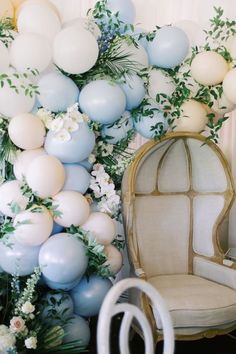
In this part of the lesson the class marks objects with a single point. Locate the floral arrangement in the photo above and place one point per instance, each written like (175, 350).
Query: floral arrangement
(65, 144)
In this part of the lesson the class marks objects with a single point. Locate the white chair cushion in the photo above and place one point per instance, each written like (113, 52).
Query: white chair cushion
(195, 302)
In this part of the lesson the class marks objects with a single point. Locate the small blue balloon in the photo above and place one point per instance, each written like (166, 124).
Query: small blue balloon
(134, 90)
(169, 47)
(89, 294)
(63, 258)
(151, 126)
(61, 286)
(124, 8)
(102, 101)
(86, 164)
(57, 92)
(77, 178)
(77, 329)
(114, 133)
(56, 307)
(78, 148)
(56, 228)
(16, 258)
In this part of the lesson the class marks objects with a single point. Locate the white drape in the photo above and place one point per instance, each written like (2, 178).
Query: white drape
(150, 13)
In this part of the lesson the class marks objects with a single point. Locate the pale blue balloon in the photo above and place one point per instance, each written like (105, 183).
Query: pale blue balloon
(17, 258)
(144, 125)
(57, 307)
(169, 47)
(134, 90)
(36, 107)
(89, 294)
(86, 164)
(77, 329)
(102, 101)
(61, 286)
(136, 34)
(56, 228)
(77, 178)
(114, 133)
(57, 92)
(63, 258)
(125, 8)
(78, 148)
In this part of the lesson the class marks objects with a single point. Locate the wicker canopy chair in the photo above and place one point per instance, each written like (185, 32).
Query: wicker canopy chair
(176, 194)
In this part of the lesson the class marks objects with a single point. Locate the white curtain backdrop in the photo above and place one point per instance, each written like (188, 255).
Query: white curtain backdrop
(150, 13)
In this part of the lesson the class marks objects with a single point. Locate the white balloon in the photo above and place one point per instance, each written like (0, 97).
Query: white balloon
(45, 176)
(37, 17)
(232, 47)
(209, 68)
(193, 117)
(22, 103)
(75, 50)
(84, 23)
(101, 226)
(4, 58)
(23, 160)
(138, 54)
(10, 196)
(194, 31)
(33, 226)
(229, 86)
(73, 206)
(223, 105)
(190, 83)
(27, 131)
(114, 258)
(160, 83)
(30, 50)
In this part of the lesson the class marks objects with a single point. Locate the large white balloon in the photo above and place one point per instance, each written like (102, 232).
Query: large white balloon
(33, 226)
(209, 68)
(30, 50)
(11, 198)
(75, 50)
(193, 117)
(5, 59)
(229, 86)
(84, 23)
(101, 227)
(160, 83)
(23, 160)
(73, 206)
(27, 131)
(194, 31)
(38, 17)
(137, 54)
(45, 176)
(223, 105)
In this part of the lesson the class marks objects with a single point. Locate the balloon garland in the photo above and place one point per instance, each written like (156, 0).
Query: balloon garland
(72, 97)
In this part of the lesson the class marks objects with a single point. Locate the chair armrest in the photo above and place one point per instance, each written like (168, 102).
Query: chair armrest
(216, 272)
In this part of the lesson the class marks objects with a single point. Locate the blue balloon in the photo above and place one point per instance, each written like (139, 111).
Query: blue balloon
(61, 286)
(57, 92)
(56, 307)
(16, 258)
(114, 133)
(77, 178)
(124, 8)
(89, 294)
(102, 101)
(63, 258)
(77, 329)
(169, 47)
(78, 148)
(134, 90)
(56, 228)
(86, 164)
(151, 126)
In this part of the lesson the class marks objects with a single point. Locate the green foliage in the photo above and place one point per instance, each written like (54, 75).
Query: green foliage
(6, 27)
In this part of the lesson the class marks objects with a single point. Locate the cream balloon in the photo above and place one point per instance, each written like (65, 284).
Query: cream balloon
(5, 59)
(17, 3)
(75, 50)
(229, 86)
(6, 9)
(138, 54)
(193, 117)
(39, 18)
(101, 227)
(222, 105)
(209, 68)
(11, 198)
(84, 23)
(45, 176)
(114, 258)
(73, 206)
(23, 161)
(160, 83)
(33, 226)
(27, 131)
(30, 50)
(21, 3)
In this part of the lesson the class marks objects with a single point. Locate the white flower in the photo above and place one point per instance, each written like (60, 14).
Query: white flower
(57, 124)
(7, 341)
(31, 343)
(62, 135)
(91, 158)
(27, 308)
(3, 330)
(46, 117)
(17, 324)
(70, 125)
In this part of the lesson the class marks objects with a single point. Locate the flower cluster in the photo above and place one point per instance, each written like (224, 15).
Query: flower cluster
(103, 191)
(62, 124)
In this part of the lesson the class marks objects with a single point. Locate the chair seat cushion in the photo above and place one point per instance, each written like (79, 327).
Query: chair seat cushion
(195, 302)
